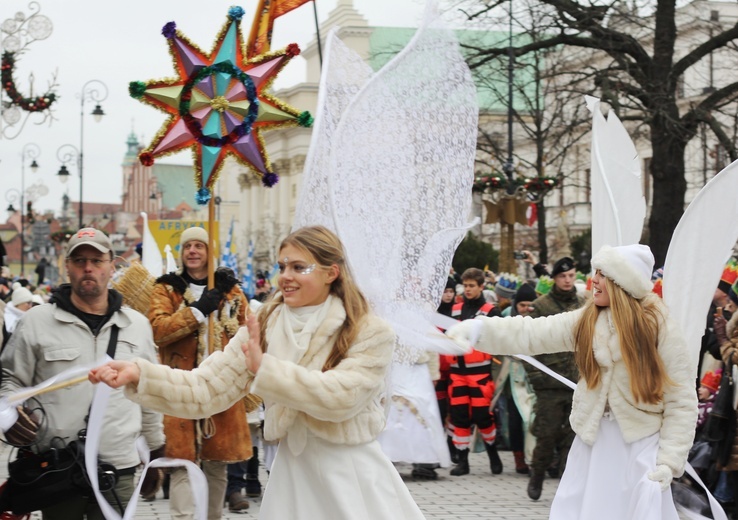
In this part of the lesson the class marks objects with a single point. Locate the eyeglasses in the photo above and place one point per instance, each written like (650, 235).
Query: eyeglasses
(81, 261)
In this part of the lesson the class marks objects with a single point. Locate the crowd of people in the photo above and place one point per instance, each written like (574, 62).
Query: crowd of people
(210, 375)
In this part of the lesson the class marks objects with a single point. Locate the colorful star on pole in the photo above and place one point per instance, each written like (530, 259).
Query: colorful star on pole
(219, 104)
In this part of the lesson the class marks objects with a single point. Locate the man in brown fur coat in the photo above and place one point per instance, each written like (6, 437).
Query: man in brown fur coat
(180, 306)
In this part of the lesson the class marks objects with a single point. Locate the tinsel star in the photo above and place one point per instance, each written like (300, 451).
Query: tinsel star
(218, 104)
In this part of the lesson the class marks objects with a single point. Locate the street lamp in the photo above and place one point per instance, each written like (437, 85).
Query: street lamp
(69, 154)
(30, 151)
(506, 196)
(97, 91)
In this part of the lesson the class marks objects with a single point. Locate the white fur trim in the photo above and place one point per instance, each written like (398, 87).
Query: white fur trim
(629, 267)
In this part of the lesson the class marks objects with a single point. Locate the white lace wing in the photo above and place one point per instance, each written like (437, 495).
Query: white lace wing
(618, 204)
(701, 245)
(344, 73)
(395, 173)
(403, 166)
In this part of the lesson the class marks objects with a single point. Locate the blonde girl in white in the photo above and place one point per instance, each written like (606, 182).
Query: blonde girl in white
(318, 358)
(635, 405)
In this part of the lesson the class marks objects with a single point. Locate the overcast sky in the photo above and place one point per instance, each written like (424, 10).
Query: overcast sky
(119, 42)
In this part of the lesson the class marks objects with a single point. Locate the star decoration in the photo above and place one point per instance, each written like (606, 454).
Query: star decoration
(219, 104)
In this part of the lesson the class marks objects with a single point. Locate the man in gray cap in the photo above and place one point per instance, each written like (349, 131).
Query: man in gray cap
(84, 321)
(181, 304)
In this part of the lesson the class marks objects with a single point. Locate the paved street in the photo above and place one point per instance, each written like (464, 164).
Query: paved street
(477, 495)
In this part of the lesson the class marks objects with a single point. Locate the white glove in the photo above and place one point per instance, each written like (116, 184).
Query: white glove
(465, 333)
(662, 475)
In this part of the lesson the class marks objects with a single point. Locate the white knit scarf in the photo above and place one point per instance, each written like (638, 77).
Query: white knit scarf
(288, 339)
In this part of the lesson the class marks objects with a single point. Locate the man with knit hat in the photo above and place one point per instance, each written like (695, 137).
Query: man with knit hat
(83, 321)
(505, 288)
(553, 399)
(180, 306)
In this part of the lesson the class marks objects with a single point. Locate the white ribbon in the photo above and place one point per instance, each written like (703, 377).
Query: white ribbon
(543, 368)
(717, 512)
(19, 395)
(8, 412)
(8, 415)
(198, 482)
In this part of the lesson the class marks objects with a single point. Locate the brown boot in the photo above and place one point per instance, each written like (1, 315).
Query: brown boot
(520, 465)
(237, 503)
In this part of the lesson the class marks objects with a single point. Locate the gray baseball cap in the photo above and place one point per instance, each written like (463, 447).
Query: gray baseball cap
(90, 237)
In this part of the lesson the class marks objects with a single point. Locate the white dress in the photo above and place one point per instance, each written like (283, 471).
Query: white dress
(609, 480)
(414, 433)
(330, 481)
(315, 479)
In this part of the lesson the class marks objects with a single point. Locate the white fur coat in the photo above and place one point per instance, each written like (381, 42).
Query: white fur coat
(341, 405)
(674, 417)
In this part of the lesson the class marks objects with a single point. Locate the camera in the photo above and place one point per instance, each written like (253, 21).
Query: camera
(519, 255)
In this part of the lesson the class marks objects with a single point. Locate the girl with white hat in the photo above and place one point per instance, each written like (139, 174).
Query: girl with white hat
(634, 407)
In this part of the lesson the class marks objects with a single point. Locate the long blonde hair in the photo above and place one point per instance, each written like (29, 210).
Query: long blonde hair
(326, 249)
(637, 326)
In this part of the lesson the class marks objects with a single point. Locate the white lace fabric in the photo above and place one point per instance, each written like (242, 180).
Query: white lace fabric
(390, 170)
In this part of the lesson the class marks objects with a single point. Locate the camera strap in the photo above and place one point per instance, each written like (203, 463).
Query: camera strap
(113, 343)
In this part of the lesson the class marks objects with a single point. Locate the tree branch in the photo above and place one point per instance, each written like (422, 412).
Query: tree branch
(714, 43)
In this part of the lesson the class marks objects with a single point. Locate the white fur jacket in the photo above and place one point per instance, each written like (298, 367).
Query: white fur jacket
(341, 405)
(674, 417)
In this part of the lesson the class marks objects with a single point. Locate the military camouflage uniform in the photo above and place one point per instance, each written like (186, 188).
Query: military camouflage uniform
(553, 399)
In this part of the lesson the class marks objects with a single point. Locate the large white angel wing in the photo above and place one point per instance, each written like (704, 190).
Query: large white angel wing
(344, 73)
(618, 205)
(390, 170)
(701, 245)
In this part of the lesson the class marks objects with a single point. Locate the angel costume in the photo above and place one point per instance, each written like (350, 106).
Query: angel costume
(390, 171)
(620, 442)
(328, 464)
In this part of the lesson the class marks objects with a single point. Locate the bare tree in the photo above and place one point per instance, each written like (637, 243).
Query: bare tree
(646, 69)
(544, 111)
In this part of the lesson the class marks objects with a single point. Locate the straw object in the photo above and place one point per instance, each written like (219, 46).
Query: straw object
(136, 286)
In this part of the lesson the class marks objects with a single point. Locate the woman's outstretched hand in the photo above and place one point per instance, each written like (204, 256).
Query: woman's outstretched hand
(116, 374)
(252, 348)
(465, 333)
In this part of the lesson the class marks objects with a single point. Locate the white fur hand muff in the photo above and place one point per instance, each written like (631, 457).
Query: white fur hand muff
(466, 333)
(662, 475)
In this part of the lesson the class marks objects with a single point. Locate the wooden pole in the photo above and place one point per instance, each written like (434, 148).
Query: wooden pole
(211, 268)
(19, 398)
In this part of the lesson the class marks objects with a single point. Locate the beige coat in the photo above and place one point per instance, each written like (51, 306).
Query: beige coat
(50, 340)
(341, 405)
(674, 417)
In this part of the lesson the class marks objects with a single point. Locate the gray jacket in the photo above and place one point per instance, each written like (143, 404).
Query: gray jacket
(50, 340)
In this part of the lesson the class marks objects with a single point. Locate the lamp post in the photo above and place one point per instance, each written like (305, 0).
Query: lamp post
(97, 91)
(68, 154)
(30, 152)
(507, 197)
